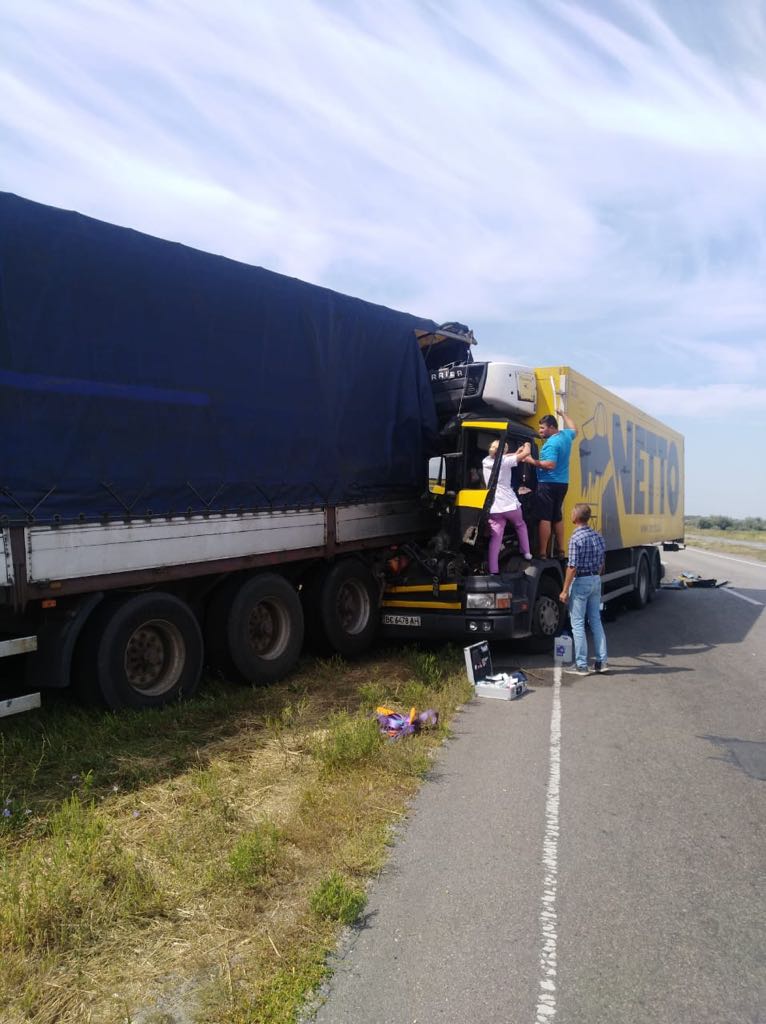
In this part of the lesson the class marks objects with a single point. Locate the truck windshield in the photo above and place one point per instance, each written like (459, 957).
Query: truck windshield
(476, 448)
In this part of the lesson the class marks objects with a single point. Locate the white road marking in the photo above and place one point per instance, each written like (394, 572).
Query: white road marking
(727, 558)
(734, 593)
(546, 1000)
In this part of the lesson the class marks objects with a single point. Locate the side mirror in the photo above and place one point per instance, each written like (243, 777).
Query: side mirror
(437, 474)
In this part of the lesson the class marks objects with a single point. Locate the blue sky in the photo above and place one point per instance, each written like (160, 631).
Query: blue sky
(583, 183)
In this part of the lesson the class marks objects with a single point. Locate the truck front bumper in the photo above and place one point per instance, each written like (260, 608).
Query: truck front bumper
(459, 627)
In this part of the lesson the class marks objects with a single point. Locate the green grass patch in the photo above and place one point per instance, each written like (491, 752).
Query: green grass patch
(203, 857)
(349, 741)
(429, 667)
(337, 899)
(63, 891)
(255, 855)
(277, 994)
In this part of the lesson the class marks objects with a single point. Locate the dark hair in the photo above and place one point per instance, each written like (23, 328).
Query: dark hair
(549, 421)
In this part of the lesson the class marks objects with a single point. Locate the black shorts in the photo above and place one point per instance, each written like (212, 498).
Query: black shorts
(548, 502)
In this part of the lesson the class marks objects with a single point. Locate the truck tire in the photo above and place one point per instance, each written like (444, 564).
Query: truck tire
(643, 587)
(341, 608)
(254, 629)
(655, 574)
(547, 619)
(139, 651)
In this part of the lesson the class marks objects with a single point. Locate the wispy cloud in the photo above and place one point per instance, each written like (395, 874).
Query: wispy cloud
(580, 179)
(717, 402)
(517, 157)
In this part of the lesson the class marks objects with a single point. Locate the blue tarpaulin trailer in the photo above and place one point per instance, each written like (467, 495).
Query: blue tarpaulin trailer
(202, 461)
(141, 377)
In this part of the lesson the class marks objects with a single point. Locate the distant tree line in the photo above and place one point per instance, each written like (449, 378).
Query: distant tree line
(725, 523)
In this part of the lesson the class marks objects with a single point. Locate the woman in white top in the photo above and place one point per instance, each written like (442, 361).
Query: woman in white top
(506, 507)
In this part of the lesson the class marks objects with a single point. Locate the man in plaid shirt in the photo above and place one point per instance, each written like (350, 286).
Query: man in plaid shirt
(582, 590)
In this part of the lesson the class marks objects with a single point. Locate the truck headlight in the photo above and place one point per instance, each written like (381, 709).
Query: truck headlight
(487, 601)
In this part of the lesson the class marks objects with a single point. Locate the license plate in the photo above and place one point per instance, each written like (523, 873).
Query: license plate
(401, 620)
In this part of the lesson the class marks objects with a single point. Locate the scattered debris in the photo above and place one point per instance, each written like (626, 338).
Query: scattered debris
(395, 725)
(691, 579)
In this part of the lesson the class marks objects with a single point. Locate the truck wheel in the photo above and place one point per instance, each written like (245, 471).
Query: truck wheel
(547, 616)
(254, 629)
(341, 605)
(655, 577)
(139, 651)
(640, 596)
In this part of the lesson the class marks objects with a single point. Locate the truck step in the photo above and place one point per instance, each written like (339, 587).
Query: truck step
(15, 705)
(21, 645)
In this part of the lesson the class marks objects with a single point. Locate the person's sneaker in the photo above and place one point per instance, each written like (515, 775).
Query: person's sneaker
(575, 670)
(601, 666)
(528, 558)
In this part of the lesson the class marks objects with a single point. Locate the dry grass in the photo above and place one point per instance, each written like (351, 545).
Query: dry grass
(747, 543)
(195, 865)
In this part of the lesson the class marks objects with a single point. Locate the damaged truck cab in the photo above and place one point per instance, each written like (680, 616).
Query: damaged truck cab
(626, 465)
(444, 590)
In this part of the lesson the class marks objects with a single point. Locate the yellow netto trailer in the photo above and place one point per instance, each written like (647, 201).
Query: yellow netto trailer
(625, 464)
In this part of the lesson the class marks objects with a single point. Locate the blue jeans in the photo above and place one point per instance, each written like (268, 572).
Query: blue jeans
(585, 605)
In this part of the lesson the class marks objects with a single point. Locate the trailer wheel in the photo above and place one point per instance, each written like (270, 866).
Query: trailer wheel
(254, 629)
(655, 574)
(643, 588)
(547, 616)
(139, 651)
(341, 607)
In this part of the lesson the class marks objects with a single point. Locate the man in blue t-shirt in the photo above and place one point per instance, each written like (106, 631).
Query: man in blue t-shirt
(552, 478)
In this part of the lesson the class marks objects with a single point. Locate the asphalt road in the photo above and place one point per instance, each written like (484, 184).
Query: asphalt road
(593, 852)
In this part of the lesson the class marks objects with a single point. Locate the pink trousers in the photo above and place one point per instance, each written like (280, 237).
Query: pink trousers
(497, 521)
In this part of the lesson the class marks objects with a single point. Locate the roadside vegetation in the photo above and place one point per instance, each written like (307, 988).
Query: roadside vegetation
(732, 536)
(197, 864)
(751, 525)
